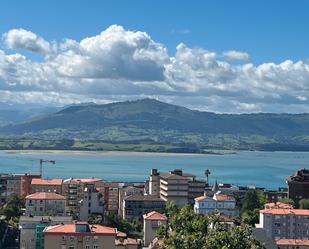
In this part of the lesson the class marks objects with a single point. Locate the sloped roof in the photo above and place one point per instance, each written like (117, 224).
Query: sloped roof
(45, 196)
(285, 211)
(70, 229)
(292, 242)
(39, 181)
(154, 215)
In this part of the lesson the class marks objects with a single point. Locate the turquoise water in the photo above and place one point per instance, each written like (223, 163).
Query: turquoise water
(263, 169)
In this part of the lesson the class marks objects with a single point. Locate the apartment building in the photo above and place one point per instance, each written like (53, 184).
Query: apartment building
(219, 202)
(92, 202)
(73, 190)
(79, 235)
(31, 229)
(135, 206)
(127, 191)
(39, 204)
(175, 186)
(298, 185)
(18, 184)
(152, 221)
(285, 223)
(46, 185)
(111, 197)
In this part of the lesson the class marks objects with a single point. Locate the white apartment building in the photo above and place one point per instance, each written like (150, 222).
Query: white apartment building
(224, 204)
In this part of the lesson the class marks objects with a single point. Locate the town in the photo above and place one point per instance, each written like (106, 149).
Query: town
(39, 213)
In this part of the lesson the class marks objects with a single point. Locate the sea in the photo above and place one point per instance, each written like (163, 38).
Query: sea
(242, 168)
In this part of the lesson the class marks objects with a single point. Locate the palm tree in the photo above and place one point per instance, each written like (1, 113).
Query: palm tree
(207, 173)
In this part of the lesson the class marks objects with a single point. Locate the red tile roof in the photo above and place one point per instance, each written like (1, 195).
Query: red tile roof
(44, 196)
(154, 216)
(39, 181)
(278, 205)
(292, 242)
(83, 180)
(201, 198)
(285, 211)
(70, 229)
(222, 197)
(124, 242)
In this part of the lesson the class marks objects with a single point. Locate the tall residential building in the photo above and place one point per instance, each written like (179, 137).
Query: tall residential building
(175, 186)
(221, 203)
(127, 191)
(298, 185)
(135, 206)
(152, 221)
(46, 185)
(111, 197)
(39, 204)
(285, 223)
(92, 202)
(18, 184)
(31, 229)
(79, 235)
(73, 190)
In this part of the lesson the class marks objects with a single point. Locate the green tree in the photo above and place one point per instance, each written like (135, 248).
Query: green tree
(287, 201)
(304, 204)
(254, 199)
(187, 230)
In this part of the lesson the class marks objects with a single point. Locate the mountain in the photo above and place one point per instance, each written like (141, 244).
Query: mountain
(152, 121)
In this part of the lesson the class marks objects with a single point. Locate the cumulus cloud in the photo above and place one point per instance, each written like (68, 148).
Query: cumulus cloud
(24, 39)
(236, 55)
(120, 64)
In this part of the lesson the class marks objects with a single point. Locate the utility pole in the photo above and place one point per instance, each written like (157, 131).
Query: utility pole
(41, 165)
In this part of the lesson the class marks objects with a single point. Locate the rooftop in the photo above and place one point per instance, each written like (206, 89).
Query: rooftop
(154, 216)
(143, 198)
(83, 180)
(80, 228)
(278, 205)
(301, 175)
(45, 196)
(285, 211)
(39, 181)
(292, 242)
(124, 242)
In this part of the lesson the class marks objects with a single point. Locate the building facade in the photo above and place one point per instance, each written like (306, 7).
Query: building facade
(79, 235)
(135, 206)
(46, 185)
(92, 202)
(285, 223)
(152, 221)
(221, 203)
(31, 229)
(128, 191)
(176, 186)
(298, 185)
(39, 204)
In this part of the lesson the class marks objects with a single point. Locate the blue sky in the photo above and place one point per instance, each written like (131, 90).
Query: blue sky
(274, 33)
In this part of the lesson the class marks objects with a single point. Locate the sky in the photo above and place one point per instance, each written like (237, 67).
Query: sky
(221, 56)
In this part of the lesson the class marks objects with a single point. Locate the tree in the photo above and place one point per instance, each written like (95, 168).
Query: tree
(188, 230)
(254, 199)
(287, 201)
(304, 204)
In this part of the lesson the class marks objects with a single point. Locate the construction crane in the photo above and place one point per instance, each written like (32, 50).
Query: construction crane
(41, 165)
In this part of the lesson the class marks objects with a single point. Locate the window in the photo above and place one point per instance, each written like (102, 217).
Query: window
(95, 246)
(87, 247)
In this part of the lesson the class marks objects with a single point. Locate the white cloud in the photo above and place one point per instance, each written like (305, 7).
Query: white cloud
(120, 64)
(23, 39)
(236, 55)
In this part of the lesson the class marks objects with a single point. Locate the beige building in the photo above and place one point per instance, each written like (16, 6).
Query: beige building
(111, 197)
(80, 235)
(126, 243)
(92, 202)
(31, 229)
(73, 190)
(175, 186)
(45, 204)
(152, 221)
(46, 185)
(285, 223)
